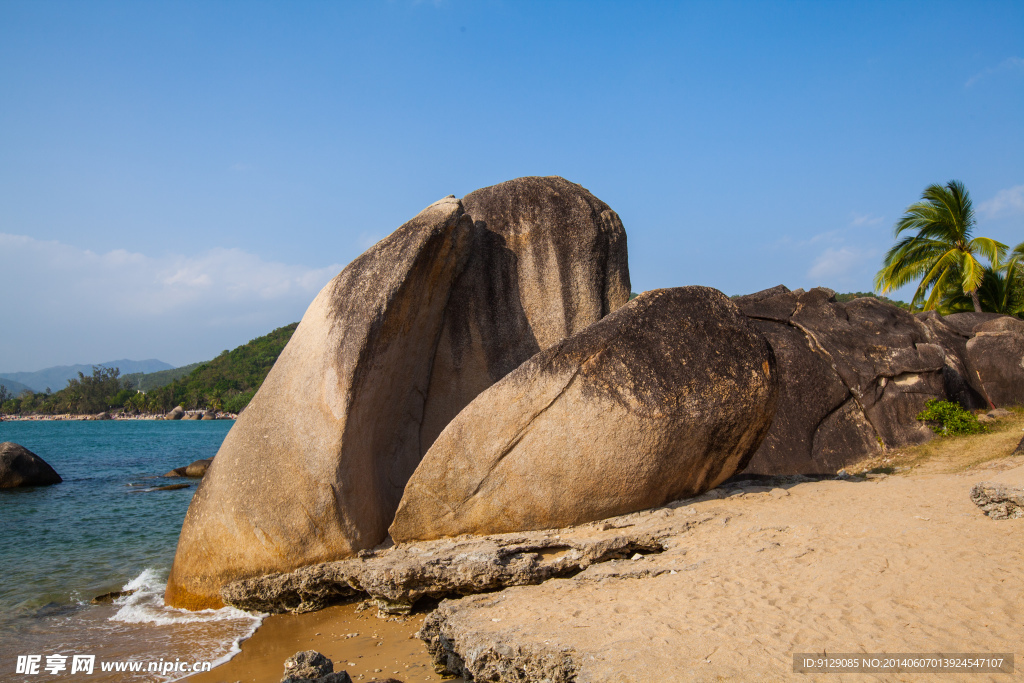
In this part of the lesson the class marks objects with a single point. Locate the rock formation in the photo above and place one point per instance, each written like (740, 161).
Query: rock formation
(854, 376)
(21, 467)
(995, 358)
(951, 332)
(390, 350)
(548, 259)
(999, 501)
(310, 666)
(176, 413)
(315, 465)
(399, 576)
(664, 398)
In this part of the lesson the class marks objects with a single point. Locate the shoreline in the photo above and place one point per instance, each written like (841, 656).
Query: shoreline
(351, 635)
(749, 575)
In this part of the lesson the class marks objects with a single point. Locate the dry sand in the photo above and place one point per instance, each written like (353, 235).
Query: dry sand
(894, 564)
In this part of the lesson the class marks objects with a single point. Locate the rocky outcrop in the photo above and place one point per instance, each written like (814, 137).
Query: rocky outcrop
(389, 351)
(397, 577)
(547, 259)
(198, 468)
(999, 501)
(314, 467)
(310, 666)
(854, 376)
(21, 467)
(477, 655)
(195, 470)
(995, 358)
(664, 398)
(952, 332)
(176, 413)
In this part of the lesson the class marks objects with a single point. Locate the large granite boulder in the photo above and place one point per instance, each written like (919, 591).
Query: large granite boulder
(21, 467)
(315, 466)
(548, 259)
(854, 377)
(664, 398)
(995, 358)
(952, 332)
(387, 354)
(176, 413)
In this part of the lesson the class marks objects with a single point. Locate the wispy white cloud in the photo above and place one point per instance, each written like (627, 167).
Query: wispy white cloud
(863, 220)
(1010, 65)
(136, 283)
(838, 262)
(1008, 202)
(134, 304)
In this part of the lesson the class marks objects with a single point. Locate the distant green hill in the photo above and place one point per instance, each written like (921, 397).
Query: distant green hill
(148, 381)
(229, 381)
(13, 388)
(57, 377)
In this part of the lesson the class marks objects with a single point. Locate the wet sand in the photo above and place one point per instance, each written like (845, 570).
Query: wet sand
(380, 649)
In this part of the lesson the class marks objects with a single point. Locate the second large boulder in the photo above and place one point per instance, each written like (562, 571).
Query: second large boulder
(664, 398)
(995, 357)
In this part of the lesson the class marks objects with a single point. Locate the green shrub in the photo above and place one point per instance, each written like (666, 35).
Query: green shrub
(947, 418)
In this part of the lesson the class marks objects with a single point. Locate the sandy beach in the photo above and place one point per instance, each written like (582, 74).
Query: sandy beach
(884, 563)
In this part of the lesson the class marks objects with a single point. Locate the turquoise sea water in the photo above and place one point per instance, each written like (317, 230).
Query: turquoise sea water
(103, 529)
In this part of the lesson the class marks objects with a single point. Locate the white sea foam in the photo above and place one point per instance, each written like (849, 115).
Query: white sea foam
(146, 606)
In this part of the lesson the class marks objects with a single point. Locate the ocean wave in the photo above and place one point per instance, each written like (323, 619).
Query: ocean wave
(146, 605)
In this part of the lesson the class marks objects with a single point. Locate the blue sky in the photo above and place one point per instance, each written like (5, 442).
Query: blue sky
(177, 178)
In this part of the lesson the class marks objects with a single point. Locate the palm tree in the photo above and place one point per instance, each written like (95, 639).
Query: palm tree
(942, 252)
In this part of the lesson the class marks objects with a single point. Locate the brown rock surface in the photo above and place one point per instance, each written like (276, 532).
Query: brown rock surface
(315, 466)
(21, 467)
(666, 397)
(960, 385)
(392, 349)
(397, 577)
(995, 358)
(854, 375)
(548, 259)
(198, 468)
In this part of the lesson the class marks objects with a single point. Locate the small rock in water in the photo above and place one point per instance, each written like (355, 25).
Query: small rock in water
(108, 598)
(170, 487)
(21, 467)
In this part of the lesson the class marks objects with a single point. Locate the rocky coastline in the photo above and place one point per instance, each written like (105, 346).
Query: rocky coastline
(475, 411)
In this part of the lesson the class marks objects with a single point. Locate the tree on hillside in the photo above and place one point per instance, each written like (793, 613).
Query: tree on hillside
(941, 252)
